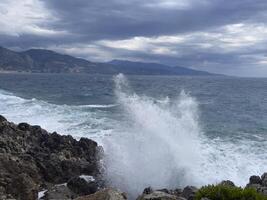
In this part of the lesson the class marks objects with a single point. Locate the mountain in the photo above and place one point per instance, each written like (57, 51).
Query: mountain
(153, 68)
(47, 61)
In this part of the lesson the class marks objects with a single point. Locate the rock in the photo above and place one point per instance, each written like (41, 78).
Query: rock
(189, 192)
(157, 195)
(227, 183)
(176, 192)
(2, 119)
(255, 186)
(204, 198)
(264, 179)
(31, 157)
(81, 186)
(106, 194)
(59, 192)
(254, 180)
(148, 190)
(24, 126)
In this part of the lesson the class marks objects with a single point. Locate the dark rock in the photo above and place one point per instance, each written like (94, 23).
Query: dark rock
(254, 180)
(2, 119)
(148, 190)
(158, 195)
(81, 186)
(264, 179)
(165, 190)
(177, 192)
(31, 157)
(106, 194)
(255, 186)
(61, 192)
(24, 126)
(189, 192)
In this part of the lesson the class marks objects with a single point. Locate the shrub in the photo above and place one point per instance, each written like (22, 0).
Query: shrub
(224, 192)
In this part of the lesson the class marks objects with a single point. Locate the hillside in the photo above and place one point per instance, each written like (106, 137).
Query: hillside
(47, 61)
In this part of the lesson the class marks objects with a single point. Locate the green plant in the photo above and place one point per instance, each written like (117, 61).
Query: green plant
(224, 192)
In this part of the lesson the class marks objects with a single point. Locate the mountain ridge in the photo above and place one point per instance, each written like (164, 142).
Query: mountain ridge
(48, 61)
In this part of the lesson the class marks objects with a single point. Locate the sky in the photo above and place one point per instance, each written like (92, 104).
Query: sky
(221, 36)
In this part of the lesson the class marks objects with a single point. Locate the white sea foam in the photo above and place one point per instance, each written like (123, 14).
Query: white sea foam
(98, 106)
(79, 121)
(156, 142)
(162, 145)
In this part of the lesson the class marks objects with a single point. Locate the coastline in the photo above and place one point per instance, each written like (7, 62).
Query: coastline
(36, 164)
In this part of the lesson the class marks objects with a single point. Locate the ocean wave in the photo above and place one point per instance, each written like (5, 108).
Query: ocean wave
(98, 106)
(162, 145)
(65, 119)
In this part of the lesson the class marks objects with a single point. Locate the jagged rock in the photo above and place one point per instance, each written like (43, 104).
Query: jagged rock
(158, 195)
(106, 194)
(263, 190)
(254, 180)
(176, 192)
(30, 157)
(2, 119)
(189, 192)
(148, 190)
(264, 179)
(82, 186)
(255, 186)
(61, 192)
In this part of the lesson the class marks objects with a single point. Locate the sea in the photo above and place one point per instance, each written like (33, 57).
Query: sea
(159, 131)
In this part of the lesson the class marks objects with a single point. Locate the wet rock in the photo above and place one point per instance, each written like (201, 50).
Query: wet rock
(148, 190)
(82, 186)
(30, 157)
(61, 192)
(157, 195)
(177, 192)
(189, 192)
(106, 194)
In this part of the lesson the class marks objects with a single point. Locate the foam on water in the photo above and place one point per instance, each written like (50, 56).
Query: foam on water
(162, 146)
(155, 142)
(79, 121)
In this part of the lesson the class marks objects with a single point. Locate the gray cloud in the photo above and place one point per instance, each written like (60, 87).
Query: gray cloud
(214, 35)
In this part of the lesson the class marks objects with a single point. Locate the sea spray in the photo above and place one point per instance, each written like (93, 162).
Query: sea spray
(159, 143)
(158, 147)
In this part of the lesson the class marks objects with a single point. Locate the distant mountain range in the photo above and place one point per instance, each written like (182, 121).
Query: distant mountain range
(46, 61)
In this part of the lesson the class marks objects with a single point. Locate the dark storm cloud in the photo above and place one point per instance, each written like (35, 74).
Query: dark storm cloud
(118, 19)
(84, 28)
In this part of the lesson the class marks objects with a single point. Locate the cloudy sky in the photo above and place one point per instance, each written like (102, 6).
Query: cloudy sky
(223, 36)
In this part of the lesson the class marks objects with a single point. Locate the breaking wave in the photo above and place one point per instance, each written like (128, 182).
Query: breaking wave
(161, 144)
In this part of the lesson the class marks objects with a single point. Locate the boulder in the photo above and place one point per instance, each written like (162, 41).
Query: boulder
(82, 185)
(61, 192)
(158, 195)
(189, 192)
(105, 194)
(264, 179)
(254, 180)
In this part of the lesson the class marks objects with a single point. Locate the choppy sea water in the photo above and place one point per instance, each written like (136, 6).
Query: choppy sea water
(160, 131)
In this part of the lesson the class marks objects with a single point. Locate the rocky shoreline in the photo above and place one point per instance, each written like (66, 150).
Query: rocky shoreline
(35, 164)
